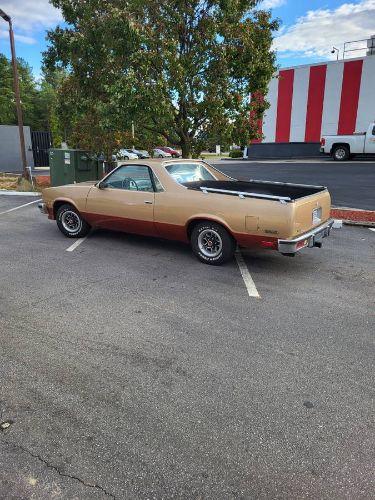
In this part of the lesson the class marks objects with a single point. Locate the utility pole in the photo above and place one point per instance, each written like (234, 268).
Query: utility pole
(16, 92)
(133, 134)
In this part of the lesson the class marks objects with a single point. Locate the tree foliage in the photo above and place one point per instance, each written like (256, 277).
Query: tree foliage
(38, 99)
(181, 70)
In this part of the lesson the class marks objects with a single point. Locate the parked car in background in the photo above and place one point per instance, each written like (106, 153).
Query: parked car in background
(141, 153)
(191, 201)
(160, 153)
(126, 154)
(171, 151)
(342, 147)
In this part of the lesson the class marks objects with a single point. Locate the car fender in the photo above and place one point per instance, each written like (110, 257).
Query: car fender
(210, 217)
(339, 143)
(60, 201)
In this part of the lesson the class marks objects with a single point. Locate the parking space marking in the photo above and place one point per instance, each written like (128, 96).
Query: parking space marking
(20, 206)
(76, 244)
(372, 229)
(246, 276)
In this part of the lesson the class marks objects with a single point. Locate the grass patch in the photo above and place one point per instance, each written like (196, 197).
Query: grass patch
(213, 156)
(24, 185)
(8, 182)
(17, 183)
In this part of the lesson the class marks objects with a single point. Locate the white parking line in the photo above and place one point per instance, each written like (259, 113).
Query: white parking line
(372, 229)
(246, 276)
(76, 244)
(20, 206)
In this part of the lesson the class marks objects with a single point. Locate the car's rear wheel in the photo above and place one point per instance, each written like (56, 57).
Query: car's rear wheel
(212, 243)
(70, 222)
(341, 153)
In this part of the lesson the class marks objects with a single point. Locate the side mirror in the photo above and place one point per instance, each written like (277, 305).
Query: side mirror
(102, 185)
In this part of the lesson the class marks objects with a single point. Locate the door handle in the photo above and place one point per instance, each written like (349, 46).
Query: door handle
(148, 202)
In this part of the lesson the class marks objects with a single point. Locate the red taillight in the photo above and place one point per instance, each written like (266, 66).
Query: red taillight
(268, 244)
(301, 244)
(322, 141)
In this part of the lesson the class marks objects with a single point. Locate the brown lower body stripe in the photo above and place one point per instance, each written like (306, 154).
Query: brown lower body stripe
(168, 231)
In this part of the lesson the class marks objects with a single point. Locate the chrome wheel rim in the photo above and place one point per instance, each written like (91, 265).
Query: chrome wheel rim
(210, 243)
(71, 222)
(340, 153)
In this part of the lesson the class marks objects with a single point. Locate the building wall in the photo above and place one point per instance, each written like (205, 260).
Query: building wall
(307, 102)
(10, 154)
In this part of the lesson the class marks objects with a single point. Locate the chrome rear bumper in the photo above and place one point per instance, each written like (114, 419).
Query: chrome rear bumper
(311, 239)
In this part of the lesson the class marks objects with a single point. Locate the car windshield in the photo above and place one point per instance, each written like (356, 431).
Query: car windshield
(189, 172)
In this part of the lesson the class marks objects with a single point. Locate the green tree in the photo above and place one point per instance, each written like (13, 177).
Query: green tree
(7, 110)
(182, 70)
(38, 99)
(28, 91)
(47, 105)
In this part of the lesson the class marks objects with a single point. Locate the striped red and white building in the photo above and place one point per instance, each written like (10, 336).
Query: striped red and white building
(307, 102)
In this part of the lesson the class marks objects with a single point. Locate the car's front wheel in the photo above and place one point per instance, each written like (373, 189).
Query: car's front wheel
(212, 243)
(70, 222)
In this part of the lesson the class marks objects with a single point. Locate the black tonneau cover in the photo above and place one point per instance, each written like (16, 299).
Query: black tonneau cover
(262, 188)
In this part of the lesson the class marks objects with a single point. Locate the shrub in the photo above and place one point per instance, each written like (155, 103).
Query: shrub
(236, 153)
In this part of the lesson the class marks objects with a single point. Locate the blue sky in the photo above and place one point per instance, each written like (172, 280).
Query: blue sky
(309, 28)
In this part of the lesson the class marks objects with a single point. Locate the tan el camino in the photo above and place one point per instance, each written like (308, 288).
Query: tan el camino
(191, 201)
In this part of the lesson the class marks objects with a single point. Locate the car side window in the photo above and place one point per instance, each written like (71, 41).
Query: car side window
(131, 178)
(373, 130)
(189, 172)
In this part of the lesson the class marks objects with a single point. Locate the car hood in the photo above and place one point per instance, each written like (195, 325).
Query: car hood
(75, 185)
(85, 183)
(88, 183)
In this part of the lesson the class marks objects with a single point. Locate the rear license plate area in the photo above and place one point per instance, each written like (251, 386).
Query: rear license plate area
(317, 215)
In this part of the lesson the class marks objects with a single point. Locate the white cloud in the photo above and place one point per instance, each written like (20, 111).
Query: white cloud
(315, 33)
(28, 40)
(271, 4)
(29, 16)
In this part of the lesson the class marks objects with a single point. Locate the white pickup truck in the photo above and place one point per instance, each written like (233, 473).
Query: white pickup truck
(343, 147)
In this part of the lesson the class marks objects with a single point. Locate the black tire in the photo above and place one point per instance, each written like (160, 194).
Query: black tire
(222, 246)
(341, 153)
(68, 216)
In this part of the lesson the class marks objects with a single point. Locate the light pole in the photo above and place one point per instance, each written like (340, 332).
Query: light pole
(337, 51)
(133, 133)
(16, 92)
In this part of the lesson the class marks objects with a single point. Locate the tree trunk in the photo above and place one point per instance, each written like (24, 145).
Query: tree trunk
(186, 149)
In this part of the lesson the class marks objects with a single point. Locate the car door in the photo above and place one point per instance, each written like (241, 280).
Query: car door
(123, 201)
(370, 141)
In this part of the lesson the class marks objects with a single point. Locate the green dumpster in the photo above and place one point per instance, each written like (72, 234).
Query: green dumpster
(68, 166)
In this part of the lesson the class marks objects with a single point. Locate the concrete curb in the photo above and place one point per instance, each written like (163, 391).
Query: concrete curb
(354, 216)
(5, 192)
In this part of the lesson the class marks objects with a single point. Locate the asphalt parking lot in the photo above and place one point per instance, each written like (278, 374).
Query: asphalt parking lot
(131, 370)
(351, 184)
